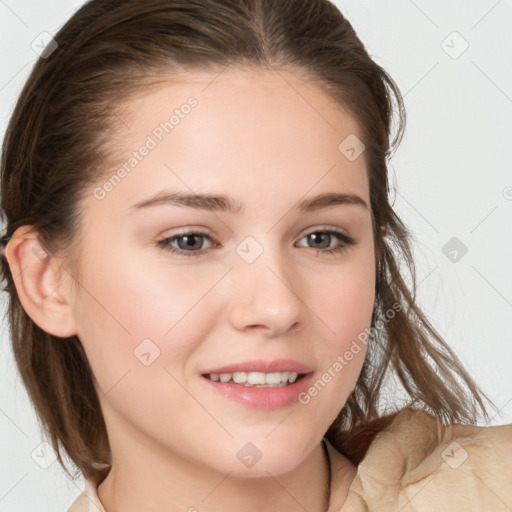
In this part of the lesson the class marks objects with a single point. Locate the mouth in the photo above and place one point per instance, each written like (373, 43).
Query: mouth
(260, 384)
(257, 379)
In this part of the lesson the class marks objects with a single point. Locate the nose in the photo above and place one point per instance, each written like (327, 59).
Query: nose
(268, 295)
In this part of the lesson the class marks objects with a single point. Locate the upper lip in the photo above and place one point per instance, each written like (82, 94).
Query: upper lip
(260, 365)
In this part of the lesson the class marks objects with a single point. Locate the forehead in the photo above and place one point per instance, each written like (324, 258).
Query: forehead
(255, 100)
(247, 127)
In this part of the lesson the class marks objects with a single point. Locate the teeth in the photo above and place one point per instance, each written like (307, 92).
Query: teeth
(256, 378)
(239, 377)
(293, 376)
(274, 379)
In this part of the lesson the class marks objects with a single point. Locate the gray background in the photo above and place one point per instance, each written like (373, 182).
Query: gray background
(452, 175)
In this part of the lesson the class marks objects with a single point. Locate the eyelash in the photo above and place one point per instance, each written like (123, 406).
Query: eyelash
(346, 242)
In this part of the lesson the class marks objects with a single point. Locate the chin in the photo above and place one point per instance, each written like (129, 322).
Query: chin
(262, 457)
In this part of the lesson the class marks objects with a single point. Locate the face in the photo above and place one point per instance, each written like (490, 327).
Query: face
(178, 295)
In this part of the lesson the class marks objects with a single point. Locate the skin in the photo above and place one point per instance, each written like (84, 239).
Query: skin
(268, 140)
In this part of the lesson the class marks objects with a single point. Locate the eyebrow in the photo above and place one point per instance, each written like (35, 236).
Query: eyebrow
(211, 202)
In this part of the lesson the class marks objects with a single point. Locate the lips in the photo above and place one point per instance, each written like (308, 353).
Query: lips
(243, 382)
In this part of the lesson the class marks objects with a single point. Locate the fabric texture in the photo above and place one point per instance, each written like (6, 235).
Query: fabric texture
(409, 462)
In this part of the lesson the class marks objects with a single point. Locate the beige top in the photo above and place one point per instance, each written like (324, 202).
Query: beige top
(409, 462)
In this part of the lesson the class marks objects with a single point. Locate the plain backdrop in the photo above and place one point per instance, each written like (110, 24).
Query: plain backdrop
(451, 177)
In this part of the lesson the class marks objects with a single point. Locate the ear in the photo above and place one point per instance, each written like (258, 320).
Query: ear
(42, 289)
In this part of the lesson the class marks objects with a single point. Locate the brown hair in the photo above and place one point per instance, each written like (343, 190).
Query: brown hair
(53, 151)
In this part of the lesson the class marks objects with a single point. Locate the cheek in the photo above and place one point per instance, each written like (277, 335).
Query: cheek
(130, 319)
(347, 311)
(345, 304)
(346, 299)
(348, 315)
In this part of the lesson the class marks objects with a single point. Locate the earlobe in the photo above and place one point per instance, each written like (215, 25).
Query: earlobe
(42, 291)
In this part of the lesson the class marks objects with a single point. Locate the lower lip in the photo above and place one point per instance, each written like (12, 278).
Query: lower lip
(262, 397)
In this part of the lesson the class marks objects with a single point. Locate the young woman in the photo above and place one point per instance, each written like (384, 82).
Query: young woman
(203, 269)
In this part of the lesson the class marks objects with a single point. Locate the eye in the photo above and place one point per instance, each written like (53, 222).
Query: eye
(189, 244)
(324, 237)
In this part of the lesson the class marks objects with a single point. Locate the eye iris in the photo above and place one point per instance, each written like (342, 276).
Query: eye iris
(190, 242)
(317, 238)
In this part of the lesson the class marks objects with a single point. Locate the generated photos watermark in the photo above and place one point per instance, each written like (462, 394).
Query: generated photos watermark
(153, 139)
(343, 360)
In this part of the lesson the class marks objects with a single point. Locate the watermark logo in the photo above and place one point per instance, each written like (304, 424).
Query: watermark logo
(352, 147)
(44, 455)
(44, 45)
(454, 45)
(454, 249)
(249, 455)
(249, 249)
(39, 251)
(146, 352)
(454, 455)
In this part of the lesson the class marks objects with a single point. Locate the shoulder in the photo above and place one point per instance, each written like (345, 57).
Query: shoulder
(416, 464)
